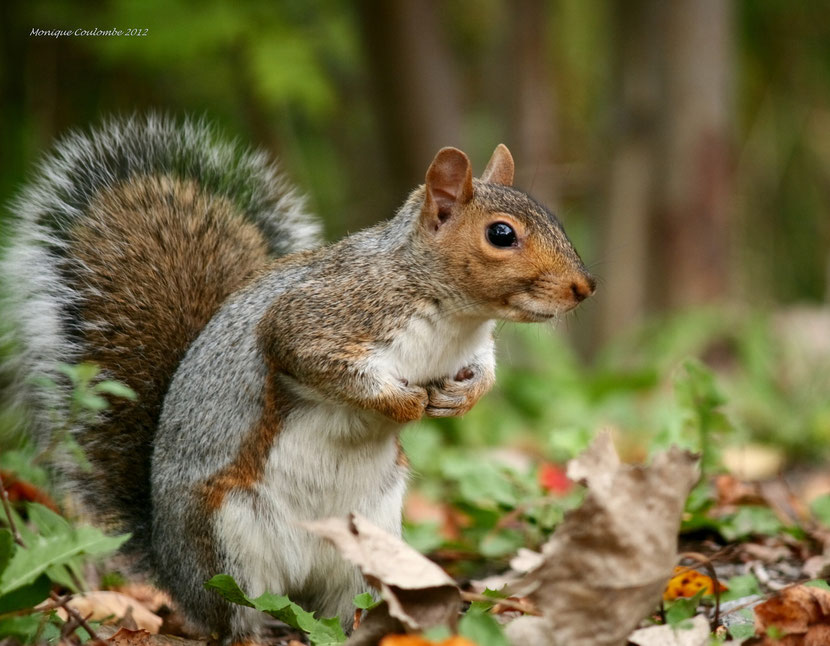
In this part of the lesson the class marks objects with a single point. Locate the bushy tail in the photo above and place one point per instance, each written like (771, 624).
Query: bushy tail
(122, 248)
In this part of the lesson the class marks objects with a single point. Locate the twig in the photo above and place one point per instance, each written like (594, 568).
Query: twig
(8, 509)
(77, 618)
(507, 603)
(706, 562)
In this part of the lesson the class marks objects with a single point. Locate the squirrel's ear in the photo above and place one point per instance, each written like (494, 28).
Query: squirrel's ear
(449, 181)
(500, 167)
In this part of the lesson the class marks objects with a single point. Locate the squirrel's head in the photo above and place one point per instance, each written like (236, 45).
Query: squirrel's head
(503, 250)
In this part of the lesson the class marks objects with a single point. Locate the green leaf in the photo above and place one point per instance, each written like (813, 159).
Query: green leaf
(116, 389)
(750, 520)
(741, 586)
(7, 547)
(424, 537)
(43, 552)
(321, 632)
(482, 628)
(365, 601)
(483, 606)
(92, 402)
(227, 587)
(742, 631)
(26, 596)
(821, 509)
(682, 609)
(46, 520)
(819, 583)
(501, 543)
(29, 629)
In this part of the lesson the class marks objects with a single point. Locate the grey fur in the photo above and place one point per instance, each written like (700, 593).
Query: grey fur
(42, 289)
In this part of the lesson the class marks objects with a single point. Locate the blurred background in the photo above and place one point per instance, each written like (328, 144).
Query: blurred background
(685, 145)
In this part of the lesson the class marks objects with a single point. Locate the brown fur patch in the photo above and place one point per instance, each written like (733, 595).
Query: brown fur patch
(249, 463)
(157, 257)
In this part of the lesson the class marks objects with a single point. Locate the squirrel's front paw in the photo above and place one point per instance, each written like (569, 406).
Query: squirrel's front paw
(404, 403)
(454, 397)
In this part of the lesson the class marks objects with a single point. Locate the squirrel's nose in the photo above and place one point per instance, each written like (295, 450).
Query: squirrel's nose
(582, 287)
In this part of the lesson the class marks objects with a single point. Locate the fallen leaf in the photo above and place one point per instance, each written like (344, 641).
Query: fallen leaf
(111, 607)
(415, 640)
(149, 596)
(607, 564)
(127, 637)
(22, 491)
(794, 610)
(687, 583)
(418, 592)
(732, 491)
(696, 633)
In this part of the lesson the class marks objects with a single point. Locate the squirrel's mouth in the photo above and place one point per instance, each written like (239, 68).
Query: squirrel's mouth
(527, 310)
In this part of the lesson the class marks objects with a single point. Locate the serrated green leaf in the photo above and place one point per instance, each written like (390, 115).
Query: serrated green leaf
(225, 585)
(321, 632)
(46, 520)
(44, 552)
(365, 601)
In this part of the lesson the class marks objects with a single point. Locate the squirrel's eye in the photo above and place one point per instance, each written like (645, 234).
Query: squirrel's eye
(501, 235)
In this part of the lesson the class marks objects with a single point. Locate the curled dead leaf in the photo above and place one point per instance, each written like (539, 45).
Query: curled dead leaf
(695, 634)
(607, 564)
(794, 610)
(418, 592)
(111, 607)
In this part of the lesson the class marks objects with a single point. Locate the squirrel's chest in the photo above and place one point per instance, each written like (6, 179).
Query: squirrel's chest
(432, 347)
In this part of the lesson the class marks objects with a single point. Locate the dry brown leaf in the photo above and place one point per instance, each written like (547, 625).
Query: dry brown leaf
(149, 596)
(127, 637)
(418, 592)
(794, 610)
(109, 606)
(608, 562)
(697, 634)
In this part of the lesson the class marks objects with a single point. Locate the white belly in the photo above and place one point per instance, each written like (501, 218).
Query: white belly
(328, 460)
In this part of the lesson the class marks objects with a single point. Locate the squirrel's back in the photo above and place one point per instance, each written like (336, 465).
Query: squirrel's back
(122, 248)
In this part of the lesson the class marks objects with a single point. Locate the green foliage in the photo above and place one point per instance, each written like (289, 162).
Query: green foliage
(321, 632)
(680, 610)
(54, 545)
(365, 601)
(482, 628)
(741, 586)
(54, 551)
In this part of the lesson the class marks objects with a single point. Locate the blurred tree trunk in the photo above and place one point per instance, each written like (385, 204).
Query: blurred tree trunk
(695, 182)
(667, 239)
(531, 83)
(414, 83)
(629, 174)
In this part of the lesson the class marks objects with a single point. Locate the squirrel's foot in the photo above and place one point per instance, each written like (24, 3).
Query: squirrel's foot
(456, 396)
(403, 403)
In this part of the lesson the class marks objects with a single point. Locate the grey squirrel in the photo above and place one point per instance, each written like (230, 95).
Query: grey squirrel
(273, 373)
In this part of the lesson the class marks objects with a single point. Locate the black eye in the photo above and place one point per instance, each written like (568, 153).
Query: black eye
(501, 235)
